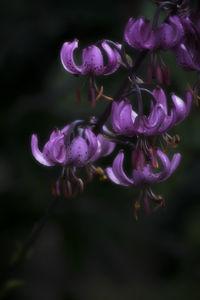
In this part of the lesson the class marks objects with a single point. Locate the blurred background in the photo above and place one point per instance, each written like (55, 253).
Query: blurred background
(91, 248)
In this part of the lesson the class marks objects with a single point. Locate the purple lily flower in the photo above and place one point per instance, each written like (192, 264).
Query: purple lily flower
(187, 54)
(127, 122)
(139, 35)
(54, 151)
(178, 112)
(142, 176)
(81, 151)
(92, 59)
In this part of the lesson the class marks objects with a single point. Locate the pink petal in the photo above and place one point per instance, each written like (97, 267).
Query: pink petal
(39, 156)
(67, 59)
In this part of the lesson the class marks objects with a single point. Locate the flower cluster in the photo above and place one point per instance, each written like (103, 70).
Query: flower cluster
(137, 122)
(72, 153)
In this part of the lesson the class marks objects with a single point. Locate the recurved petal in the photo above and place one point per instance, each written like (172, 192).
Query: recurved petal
(39, 156)
(115, 113)
(166, 167)
(107, 146)
(57, 150)
(168, 122)
(138, 34)
(116, 173)
(67, 59)
(161, 98)
(147, 37)
(92, 142)
(188, 96)
(175, 162)
(168, 35)
(186, 57)
(77, 152)
(127, 31)
(92, 59)
(113, 58)
(182, 109)
(154, 121)
(127, 119)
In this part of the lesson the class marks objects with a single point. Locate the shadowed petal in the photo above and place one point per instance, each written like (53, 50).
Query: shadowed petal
(168, 35)
(138, 34)
(154, 121)
(175, 162)
(57, 150)
(186, 57)
(161, 98)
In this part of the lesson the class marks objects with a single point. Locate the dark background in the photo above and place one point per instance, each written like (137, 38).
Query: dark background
(91, 248)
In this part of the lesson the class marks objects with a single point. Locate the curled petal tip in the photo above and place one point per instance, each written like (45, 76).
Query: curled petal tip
(67, 59)
(39, 156)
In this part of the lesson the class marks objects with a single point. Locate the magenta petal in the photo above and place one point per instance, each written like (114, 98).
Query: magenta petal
(107, 147)
(175, 162)
(154, 121)
(127, 31)
(113, 59)
(168, 122)
(92, 142)
(161, 98)
(181, 108)
(92, 61)
(188, 96)
(126, 120)
(39, 156)
(77, 152)
(166, 165)
(168, 35)
(57, 150)
(67, 59)
(187, 57)
(116, 173)
(138, 34)
(143, 176)
(115, 112)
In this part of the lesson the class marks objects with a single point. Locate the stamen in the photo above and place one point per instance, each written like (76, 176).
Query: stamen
(99, 93)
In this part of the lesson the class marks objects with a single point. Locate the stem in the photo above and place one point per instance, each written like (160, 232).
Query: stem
(139, 97)
(158, 11)
(141, 89)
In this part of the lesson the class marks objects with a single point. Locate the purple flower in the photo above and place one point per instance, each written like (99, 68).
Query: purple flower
(142, 176)
(80, 151)
(139, 35)
(127, 122)
(187, 54)
(54, 151)
(92, 59)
